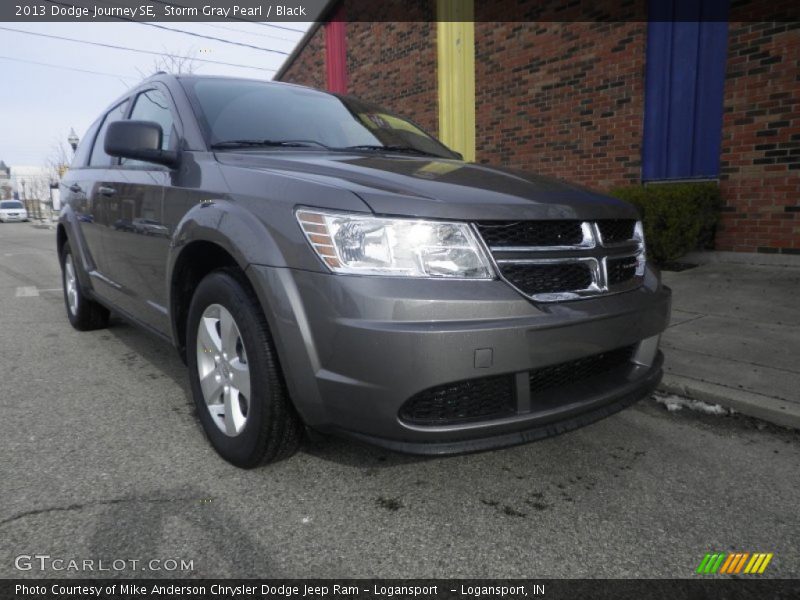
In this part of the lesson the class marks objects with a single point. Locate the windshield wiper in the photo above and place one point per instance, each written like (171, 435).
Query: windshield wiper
(407, 149)
(274, 143)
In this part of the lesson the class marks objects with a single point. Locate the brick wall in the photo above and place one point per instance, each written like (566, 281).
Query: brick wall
(309, 66)
(391, 64)
(563, 99)
(394, 65)
(567, 99)
(760, 177)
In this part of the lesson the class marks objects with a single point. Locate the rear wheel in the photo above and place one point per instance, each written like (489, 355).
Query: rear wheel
(84, 314)
(237, 385)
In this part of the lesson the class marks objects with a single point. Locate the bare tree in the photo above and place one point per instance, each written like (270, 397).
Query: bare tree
(35, 192)
(38, 187)
(58, 160)
(173, 62)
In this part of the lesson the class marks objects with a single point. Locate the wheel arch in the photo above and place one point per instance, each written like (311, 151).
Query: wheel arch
(212, 235)
(68, 231)
(196, 260)
(61, 240)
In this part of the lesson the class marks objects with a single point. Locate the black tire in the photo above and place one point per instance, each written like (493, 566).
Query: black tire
(88, 315)
(272, 430)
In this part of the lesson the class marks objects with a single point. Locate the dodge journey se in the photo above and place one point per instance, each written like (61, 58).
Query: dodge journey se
(322, 264)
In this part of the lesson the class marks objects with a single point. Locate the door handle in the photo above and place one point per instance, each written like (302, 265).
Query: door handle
(106, 191)
(75, 188)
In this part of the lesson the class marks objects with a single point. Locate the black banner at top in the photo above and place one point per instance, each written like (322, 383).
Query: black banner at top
(395, 10)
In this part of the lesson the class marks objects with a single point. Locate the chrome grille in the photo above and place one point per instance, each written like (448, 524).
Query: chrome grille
(550, 261)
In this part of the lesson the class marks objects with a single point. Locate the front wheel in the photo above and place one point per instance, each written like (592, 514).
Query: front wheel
(237, 385)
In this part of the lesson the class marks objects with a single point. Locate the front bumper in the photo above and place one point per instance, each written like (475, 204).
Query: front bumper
(354, 350)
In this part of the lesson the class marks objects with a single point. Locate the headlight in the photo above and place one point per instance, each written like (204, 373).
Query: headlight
(365, 245)
(641, 256)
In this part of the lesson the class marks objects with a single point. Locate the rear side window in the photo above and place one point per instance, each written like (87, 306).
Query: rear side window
(99, 157)
(84, 147)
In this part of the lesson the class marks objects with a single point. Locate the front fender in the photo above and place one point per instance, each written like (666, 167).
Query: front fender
(228, 225)
(68, 219)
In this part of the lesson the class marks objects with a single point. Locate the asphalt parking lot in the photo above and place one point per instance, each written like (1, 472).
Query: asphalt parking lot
(102, 459)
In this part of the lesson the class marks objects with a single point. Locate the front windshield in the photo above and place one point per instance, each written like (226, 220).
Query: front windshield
(11, 204)
(241, 110)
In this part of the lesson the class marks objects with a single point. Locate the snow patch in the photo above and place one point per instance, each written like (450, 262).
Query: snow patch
(674, 403)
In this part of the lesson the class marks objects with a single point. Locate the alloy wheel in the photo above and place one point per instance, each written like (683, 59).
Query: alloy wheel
(223, 369)
(71, 285)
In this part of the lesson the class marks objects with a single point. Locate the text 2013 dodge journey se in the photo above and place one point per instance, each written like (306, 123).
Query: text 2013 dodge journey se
(320, 262)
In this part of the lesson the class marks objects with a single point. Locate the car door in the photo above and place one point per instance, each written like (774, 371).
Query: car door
(79, 189)
(137, 242)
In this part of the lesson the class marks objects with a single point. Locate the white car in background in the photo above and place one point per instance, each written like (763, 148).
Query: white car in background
(12, 210)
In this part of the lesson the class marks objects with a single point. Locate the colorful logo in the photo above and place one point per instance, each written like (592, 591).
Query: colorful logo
(734, 563)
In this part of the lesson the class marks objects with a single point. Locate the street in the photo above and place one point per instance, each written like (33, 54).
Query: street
(103, 459)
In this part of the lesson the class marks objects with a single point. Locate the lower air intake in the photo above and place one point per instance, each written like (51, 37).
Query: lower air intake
(475, 399)
(580, 369)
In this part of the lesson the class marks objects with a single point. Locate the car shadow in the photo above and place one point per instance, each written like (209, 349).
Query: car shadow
(236, 552)
(353, 453)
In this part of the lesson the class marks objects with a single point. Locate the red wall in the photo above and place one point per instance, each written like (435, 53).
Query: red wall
(336, 52)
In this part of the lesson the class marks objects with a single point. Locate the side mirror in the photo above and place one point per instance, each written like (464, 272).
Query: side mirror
(139, 140)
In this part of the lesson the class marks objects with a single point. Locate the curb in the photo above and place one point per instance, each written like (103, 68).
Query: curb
(773, 410)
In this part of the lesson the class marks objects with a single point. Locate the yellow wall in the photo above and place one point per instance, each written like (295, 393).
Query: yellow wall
(455, 43)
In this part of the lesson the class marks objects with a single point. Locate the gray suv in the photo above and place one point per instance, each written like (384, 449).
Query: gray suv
(323, 264)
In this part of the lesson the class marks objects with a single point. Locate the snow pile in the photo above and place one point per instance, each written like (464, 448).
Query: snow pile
(673, 403)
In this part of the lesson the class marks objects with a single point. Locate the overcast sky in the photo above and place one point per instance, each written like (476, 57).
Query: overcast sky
(39, 104)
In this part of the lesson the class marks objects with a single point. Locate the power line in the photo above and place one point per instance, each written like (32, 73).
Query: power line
(242, 32)
(34, 62)
(151, 52)
(211, 37)
(277, 26)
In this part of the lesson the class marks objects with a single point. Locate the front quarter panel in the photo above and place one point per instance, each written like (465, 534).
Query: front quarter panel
(256, 226)
(227, 224)
(271, 196)
(68, 219)
(256, 229)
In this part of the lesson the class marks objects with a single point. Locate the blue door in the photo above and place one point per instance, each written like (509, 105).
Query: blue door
(686, 57)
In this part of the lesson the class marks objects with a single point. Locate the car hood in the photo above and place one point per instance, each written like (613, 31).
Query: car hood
(437, 188)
